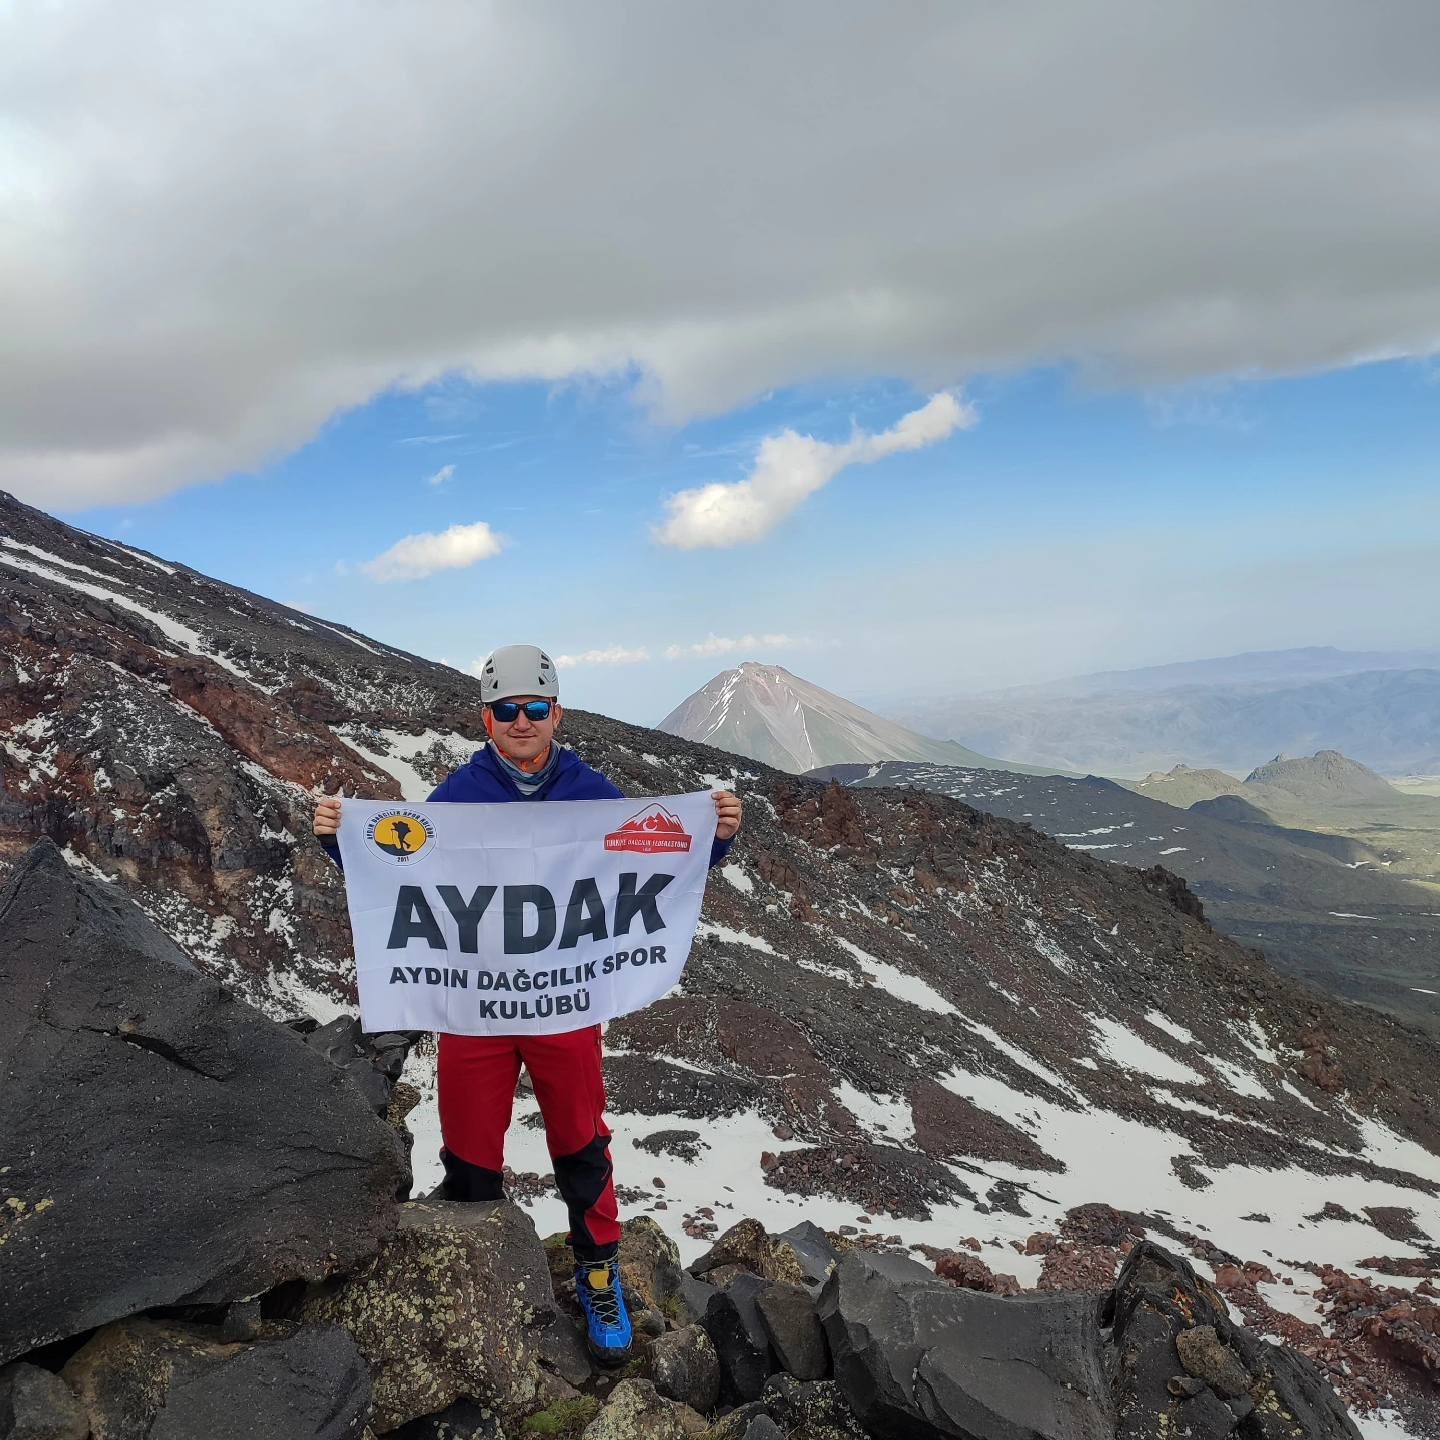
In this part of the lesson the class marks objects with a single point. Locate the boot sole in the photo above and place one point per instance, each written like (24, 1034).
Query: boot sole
(609, 1358)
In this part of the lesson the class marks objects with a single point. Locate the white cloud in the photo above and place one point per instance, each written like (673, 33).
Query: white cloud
(728, 645)
(612, 655)
(692, 650)
(417, 556)
(1154, 192)
(788, 470)
(444, 473)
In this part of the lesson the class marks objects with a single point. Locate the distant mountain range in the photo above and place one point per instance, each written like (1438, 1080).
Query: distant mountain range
(1381, 708)
(765, 713)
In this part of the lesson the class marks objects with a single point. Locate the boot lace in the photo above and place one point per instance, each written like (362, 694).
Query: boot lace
(605, 1300)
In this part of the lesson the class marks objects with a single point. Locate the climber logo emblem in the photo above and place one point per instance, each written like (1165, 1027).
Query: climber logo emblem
(653, 831)
(401, 836)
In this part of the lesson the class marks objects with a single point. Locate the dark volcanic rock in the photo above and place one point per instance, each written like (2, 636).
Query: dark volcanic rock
(144, 1381)
(811, 1410)
(733, 1323)
(179, 1107)
(1168, 1323)
(788, 1315)
(36, 1405)
(917, 1358)
(684, 1367)
(464, 1420)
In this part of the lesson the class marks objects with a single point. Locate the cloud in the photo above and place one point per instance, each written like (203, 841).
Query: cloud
(611, 655)
(417, 556)
(724, 645)
(694, 650)
(788, 470)
(429, 439)
(444, 473)
(1156, 193)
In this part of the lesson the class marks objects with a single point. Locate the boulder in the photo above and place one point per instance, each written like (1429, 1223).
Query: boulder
(788, 1315)
(810, 1410)
(689, 1304)
(732, 1320)
(247, 1159)
(464, 1420)
(142, 1380)
(649, 1264)
(801, 1256)
(735, 1424)
(918, 1358)
(36, 1405)
(1183, 1364)
(812, 1252)
(636, 1411)
(684, 1366)
(456, 1303)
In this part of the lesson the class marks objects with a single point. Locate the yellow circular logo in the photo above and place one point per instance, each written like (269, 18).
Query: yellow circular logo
(401, 836)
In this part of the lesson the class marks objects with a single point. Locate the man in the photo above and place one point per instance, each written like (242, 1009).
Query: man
(477, 1073)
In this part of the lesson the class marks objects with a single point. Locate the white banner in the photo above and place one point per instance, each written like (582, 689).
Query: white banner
(527, 918)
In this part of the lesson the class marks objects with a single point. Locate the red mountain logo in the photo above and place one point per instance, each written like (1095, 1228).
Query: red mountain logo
(652, 831)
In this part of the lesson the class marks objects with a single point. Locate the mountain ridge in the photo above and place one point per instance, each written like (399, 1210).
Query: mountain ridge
(1388, 720)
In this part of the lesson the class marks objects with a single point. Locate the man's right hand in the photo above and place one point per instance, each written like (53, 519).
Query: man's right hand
(327, 815)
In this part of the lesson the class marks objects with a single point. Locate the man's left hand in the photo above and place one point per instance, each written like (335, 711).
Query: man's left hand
(727, 809)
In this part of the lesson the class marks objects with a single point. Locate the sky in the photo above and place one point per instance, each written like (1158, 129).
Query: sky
(919, 349)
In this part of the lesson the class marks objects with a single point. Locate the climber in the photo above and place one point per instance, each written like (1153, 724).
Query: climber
(477, 1073)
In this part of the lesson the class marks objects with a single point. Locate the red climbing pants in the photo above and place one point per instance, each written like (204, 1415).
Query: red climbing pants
(477, 1090)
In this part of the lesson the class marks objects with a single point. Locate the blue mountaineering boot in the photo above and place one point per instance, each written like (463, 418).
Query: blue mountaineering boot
(602, 1298)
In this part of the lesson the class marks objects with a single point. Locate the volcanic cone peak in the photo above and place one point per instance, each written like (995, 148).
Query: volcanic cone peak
(766, 713)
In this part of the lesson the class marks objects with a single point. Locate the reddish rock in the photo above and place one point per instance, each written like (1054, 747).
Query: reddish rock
(971, 1274)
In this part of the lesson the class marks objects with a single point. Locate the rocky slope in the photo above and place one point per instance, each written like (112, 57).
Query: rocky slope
(903, 1017)
(171, 1303)
(1322, 907)
(765, 713)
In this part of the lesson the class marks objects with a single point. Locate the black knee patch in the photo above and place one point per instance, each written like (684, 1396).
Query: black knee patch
(581, 1179)
(464, 1181)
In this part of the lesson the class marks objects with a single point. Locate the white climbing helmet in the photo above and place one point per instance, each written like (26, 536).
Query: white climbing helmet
(518, 670)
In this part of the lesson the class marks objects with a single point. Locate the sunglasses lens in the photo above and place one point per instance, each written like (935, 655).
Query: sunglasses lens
(508, 711)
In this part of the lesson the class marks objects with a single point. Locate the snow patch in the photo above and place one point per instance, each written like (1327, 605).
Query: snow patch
(1162, 1022)
(909, 988)
(738, 878)
(1128, 1050)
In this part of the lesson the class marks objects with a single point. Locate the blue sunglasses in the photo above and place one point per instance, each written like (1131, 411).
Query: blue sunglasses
(507, 711)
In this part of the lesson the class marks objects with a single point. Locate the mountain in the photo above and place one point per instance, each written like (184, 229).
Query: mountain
(1387, 719)
(1320, 906)
(766, 713)
(1183, 785)
(1282, 787)
(905, 1017)
(1325, 778)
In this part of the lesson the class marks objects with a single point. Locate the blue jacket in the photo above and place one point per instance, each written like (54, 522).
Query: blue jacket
(482, 779)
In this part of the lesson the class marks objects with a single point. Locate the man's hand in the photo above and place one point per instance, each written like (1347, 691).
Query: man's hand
(327, 815)
(727, 808)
